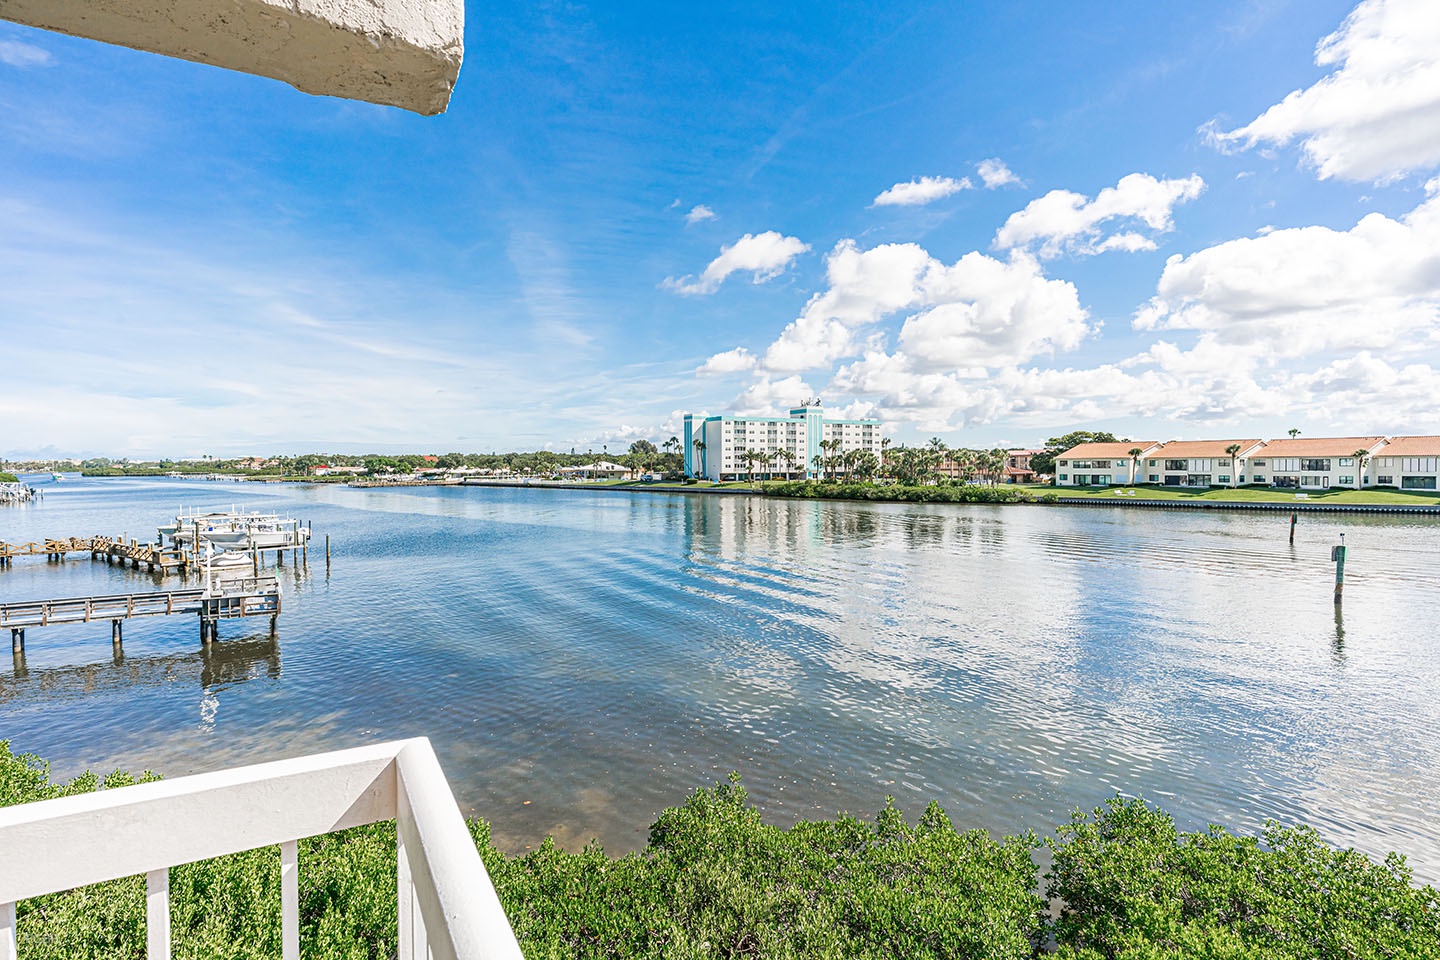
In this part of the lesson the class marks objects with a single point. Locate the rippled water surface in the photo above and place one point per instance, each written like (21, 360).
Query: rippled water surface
(583, 659)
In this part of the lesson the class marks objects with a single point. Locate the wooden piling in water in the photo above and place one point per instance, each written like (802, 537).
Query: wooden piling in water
(1293, 516)
(1337, 554)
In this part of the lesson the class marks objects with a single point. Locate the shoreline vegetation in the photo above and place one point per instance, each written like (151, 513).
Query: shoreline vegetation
(714, 880)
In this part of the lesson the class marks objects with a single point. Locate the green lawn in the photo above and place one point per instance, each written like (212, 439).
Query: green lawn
(1254, 494)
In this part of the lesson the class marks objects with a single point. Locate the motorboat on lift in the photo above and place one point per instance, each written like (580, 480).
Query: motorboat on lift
(241, 531)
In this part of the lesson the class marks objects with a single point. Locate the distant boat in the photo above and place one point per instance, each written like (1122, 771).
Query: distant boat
(56, 477)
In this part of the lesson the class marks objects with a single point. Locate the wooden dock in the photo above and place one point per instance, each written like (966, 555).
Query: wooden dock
(249, 597)
(152, 557)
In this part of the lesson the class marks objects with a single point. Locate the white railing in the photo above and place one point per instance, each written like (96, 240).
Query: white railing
(447, 906)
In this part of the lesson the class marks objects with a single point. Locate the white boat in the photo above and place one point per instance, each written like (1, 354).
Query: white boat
(229, 565)
(243, 531)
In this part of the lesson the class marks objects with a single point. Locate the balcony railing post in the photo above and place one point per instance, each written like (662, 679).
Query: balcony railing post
(404, 900)
(290, 900)
(157, 914)
(8, 933)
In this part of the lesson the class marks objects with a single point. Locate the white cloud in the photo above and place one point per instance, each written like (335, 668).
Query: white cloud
(699, 214)
(1377, 115)
(917, 192)
(1307, 290)
(731, 361)
(17, 54)
(765, 255)
(978, 311)
(992, 313)
(994, 173)
(767, 397)
(1066, 222)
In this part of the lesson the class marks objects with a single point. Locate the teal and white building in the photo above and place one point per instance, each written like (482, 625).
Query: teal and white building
(715, 446)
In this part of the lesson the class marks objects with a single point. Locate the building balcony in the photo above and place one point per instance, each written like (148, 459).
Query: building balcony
(446, 904)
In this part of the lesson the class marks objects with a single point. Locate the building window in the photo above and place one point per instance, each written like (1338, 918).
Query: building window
(1385, 481)
(1153, 477)
(1153, 462)
(1347, 461)
(1318, 465)
(1417, 464)
(1062, 463)
(1346, 481)
(1257, 463)
(1417, 483)
(1223, 478)
(1064, 477)
(1197, 480)
(1258, 479)
(1180, 465)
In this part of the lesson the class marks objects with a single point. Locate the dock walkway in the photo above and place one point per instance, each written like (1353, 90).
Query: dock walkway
(249, 597)
(152, 557)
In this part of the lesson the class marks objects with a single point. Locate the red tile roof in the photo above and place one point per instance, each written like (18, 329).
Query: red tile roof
(1107, 451)
(1410, 447)
(1320, 446)
(1202, 448)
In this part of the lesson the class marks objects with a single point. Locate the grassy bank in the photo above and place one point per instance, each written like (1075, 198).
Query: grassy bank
(1419, 498)
(715, 881)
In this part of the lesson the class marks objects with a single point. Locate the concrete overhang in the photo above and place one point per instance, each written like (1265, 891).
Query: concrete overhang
(402, 53)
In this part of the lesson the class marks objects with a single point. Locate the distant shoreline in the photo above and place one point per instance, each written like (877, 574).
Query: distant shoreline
(1051, 496)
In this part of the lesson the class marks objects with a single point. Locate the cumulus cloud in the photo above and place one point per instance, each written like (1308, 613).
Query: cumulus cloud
(764, 255)
(977, 311)
(699, 214)
(769, 397)
(1066, 222)
(17, 54)
(1306, 290)
(1376, 116)
(921, 191)
(994, 173)
(731, 361)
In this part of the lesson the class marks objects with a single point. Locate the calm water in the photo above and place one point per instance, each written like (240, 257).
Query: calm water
(581, 660)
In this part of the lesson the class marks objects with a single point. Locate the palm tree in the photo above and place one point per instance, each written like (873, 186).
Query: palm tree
(1294, 432)
(699, 446)
(818, 462)
(1234, 451)
(830, 446)
(1362, 457)
(788, 456)
(1134, 462)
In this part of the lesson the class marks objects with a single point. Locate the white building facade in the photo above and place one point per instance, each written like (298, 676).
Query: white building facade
(715, 447)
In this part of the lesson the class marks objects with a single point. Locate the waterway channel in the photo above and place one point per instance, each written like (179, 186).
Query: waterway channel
(583, 659)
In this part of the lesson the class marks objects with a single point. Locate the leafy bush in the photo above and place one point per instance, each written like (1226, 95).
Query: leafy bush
(8, 477)
(1134, 887)
(849, 490)
(716, 881)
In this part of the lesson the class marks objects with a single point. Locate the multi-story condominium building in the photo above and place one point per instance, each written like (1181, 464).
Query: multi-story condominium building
(1199, 463)
(1317, 463)
(1102, 464)
(715, 446)
(1410, 463)
(1017, 466)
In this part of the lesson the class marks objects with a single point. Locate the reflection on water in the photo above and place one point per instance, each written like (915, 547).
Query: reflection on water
(582, 660)
(214, 665)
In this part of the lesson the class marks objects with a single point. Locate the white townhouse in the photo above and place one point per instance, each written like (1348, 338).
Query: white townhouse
(1199, 463)
(1410, 463)
(714, 447)
(1103, 464)
(1317, 463)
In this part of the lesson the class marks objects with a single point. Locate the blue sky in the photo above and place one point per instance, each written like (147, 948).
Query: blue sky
(992, 222)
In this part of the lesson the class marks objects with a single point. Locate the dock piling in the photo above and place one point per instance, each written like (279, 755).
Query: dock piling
(116, 632)
(1337, 555)
(17, 640)
(1293, 516)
